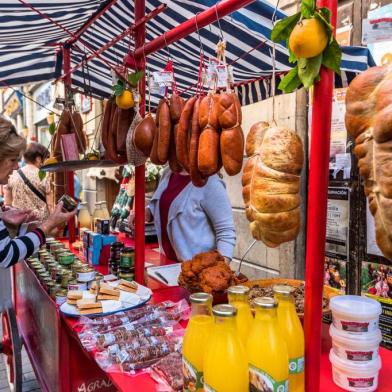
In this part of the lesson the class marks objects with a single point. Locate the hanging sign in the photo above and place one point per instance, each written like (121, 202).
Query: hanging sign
(163, 78)
(338, 218)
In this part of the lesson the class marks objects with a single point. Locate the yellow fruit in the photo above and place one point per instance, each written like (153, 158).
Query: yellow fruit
(93, 158)
(125, 100)
(50, 161)
(308, 39)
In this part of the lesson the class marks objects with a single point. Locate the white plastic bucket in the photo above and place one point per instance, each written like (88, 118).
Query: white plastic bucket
(353, 376)
(359, 349)
(355, 314)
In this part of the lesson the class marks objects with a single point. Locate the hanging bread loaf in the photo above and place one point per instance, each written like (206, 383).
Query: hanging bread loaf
(143, 137)
(124, 120)
(183, 133)
(232, 137)
(209, 152)
(69, 123)
(369, 122)
(197, 178)
(271, 183)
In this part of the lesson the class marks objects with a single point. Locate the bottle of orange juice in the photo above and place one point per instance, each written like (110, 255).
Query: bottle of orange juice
(238, 297)
(195, 341)
(294, 335)
(267, 349)
(225, 362)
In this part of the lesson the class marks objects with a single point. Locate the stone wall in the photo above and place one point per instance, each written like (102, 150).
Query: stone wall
(288, 259)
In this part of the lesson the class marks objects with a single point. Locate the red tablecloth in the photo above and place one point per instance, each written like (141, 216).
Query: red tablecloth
(144, 383)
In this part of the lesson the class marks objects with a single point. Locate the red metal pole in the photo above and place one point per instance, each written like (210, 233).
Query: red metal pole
(140, 36)
(205, 18)
(69, 175)
(317, 217)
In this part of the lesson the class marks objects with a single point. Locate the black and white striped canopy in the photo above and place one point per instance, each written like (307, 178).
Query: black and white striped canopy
(29, 43)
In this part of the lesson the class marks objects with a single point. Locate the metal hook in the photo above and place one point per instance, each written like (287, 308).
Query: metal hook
(167, 46)
(219, 25)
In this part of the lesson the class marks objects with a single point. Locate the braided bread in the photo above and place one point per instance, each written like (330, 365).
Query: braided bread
(271, 183)
(369, 122)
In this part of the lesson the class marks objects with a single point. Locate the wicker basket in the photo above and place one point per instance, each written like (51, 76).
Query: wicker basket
(329, 292)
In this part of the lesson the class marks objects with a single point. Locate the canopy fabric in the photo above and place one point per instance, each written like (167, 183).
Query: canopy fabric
(29, 50)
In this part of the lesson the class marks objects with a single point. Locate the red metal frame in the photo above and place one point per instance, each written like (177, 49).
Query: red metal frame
(317, 217)
(140, 34)
(318, 171)
(69, 175)
(184, 29)
(118, 38)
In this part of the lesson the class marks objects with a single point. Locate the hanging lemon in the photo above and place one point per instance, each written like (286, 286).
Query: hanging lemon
(308, 38)
(125, 100)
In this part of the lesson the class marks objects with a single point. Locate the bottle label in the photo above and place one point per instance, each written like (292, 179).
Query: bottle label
(296, 365)
(193, 379)
(207, 388)
(261, 381)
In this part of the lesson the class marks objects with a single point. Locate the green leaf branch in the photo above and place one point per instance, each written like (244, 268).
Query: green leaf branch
(307, 70)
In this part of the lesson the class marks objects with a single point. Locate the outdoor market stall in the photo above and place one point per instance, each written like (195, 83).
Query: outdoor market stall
(86, 62)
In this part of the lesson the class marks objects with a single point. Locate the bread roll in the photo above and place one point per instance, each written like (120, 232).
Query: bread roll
(369, 122)
(271, 183)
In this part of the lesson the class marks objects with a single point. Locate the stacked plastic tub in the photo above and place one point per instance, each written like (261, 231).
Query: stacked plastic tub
(355, 342)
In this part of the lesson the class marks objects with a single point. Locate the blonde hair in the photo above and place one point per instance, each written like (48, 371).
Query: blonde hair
(12, 145)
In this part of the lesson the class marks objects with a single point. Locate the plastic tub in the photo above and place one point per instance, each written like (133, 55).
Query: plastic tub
(355, 314)
(358, 349)
(353, 376)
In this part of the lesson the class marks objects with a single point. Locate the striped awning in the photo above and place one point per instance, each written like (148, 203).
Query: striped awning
(29, 43)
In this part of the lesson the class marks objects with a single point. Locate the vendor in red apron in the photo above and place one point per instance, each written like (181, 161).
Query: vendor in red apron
(190, 220)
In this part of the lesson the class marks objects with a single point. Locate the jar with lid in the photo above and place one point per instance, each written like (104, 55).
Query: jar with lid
(127, 258)
(84, 216)
(61, 296)
(104, 210)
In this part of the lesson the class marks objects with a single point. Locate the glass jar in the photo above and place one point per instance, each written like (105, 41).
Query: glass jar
(104, 210)
(127, 258)
(84, 216)
(96, 214)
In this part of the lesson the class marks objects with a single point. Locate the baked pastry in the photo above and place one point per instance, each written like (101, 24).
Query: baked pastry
(369, 122)
(271, 182)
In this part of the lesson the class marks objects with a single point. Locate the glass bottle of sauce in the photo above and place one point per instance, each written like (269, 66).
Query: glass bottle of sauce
(104, 210)
(293, 333)
(267, 349)
(84, 216)
(238, 297)
(225, 362)
(195, 341)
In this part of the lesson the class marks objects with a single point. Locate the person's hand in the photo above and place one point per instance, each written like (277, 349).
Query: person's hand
(131, 218)
(15, 216)
(57, 220)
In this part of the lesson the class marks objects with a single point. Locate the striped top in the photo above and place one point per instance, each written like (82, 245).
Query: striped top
(20, 248)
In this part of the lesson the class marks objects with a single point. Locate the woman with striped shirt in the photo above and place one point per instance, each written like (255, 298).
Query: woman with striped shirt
(12, 146)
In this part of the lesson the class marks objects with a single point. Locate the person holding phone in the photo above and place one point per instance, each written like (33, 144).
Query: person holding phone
(12, 250)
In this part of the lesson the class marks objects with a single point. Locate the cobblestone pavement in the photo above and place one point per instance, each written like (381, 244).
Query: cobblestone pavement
(30, 383)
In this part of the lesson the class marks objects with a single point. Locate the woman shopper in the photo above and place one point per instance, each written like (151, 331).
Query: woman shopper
(190, 220)
(25, 189)
(12, 146)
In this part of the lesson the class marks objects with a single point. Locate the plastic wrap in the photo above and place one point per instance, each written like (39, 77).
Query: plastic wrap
(167, 372)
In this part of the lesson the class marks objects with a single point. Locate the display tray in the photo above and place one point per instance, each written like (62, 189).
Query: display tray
(142, 296)
(77, 165)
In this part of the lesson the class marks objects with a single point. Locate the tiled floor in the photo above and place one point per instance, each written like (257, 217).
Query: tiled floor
(30, 383)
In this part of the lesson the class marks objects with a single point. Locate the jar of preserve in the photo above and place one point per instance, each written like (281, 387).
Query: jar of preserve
(129, 276)
(127, 259)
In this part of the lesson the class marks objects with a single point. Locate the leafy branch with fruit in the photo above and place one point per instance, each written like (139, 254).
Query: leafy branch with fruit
(124, 90)
(309, 38)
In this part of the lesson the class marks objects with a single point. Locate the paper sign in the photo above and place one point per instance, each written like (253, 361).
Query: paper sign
(163, 78)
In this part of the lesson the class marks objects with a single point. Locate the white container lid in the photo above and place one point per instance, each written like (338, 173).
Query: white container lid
(355, 368)
(369, 339)
(355, 306)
